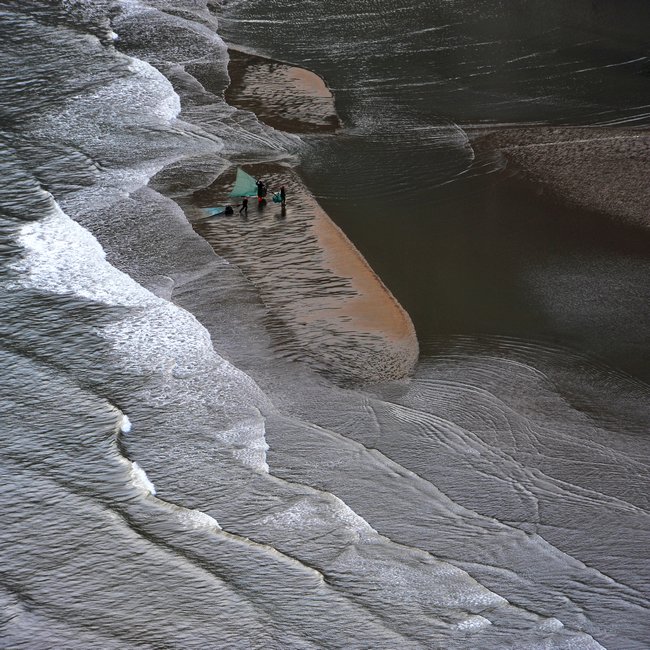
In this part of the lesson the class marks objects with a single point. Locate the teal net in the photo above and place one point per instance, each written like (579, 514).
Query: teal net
(244, 185)
(211, 212)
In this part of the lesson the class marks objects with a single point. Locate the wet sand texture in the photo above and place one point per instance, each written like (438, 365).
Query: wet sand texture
(597, 169)
(325, 303)
(283, 96)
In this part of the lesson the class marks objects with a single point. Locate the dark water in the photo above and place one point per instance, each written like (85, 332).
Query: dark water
(170, 479)
(467, 252)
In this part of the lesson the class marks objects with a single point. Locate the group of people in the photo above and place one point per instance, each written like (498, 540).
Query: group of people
(262, 191)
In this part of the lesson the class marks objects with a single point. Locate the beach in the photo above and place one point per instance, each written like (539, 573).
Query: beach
(600, 170)
(286, 97)
(408, 409)
(325, 303)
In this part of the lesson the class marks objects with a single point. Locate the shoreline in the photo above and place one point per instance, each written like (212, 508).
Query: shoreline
(567, 166)
(325, 302)
(286, 97)
(599, 170)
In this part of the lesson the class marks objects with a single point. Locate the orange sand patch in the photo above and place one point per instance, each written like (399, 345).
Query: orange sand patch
(308, 82)
(328, 305)
(374, 308)
(283, 96)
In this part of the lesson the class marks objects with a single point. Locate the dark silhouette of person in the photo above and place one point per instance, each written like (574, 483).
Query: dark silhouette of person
(228, 210)
(244, 206)
(261, 191)
(283, 196)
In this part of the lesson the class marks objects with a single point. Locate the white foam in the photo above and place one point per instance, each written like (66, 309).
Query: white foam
(552, 625)
(169, 342)
(64, 258)
(347, 516)
(473, 623)
(151, 91)
(125, 424)
(247, 440)
(253, 456)
(95, 117)
(140, 479)
(114, 123)
(157, 337)
(196, 519)
(317, 512)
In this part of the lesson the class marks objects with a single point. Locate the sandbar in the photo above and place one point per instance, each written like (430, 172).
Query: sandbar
(597, 169)
(326, 305)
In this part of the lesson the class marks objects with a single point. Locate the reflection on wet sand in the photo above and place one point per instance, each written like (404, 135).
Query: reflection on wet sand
(325, 303)
(284, 96)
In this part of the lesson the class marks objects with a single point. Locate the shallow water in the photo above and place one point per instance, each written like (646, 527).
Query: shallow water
(172, 477)
(469, 252)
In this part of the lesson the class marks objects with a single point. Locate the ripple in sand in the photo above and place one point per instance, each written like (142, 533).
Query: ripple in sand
(325, 303)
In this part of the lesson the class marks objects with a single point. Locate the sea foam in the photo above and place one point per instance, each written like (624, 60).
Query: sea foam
(125, 424)
(62, 257)
(196, 519)
(140, 479)
(155, 338)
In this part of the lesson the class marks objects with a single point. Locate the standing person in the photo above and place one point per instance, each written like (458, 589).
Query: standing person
(261, 191)
(244, 207)
(283, 196)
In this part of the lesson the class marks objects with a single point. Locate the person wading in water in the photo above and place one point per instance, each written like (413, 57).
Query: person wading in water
(261, 192)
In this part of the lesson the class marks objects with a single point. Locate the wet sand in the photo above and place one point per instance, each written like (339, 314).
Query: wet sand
(283, 96)
(602, 170)
(325, 303)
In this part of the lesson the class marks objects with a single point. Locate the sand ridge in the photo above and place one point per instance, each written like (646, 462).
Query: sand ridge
(284, 96)
(325, 303)
(599, 169)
